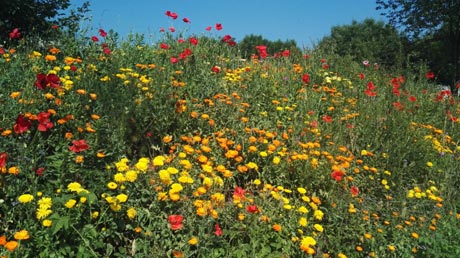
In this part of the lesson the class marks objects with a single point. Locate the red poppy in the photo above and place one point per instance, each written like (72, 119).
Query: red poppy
(361, 76)
(78, 146)
(94, 39)
(171, 14)
(172, 29)
(193, 41)
(412, 98)
(43, 122)
(3, 159)
(306, 78)
(39, 171)
(354, 191)
(262, 51)
(252, 208)
(218, 26)
(215, 69)
(44, 80)
(217, 230)
(306, 56)
(180, 40)
(430, 75)
(175, 221)
(398, 105)
(22, 125)
(15, 34)
(162, 29)
(286, 53)
(102, 33)
(337, 175)
(173, 59)
(208, 28)
(164, 46)
(327, 119)
(186, 20)
(238, 192)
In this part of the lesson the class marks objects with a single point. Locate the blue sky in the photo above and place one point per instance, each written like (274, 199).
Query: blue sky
(305, 21)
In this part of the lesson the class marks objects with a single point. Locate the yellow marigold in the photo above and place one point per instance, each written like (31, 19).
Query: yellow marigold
(25, 198)
(122, 198)
(21, 235)
(47, 223)
(193, 241)
(131, 213)
(131, 175)
(70, 203)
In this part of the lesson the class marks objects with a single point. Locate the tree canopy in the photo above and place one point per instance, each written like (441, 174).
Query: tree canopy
(36, 17)
(433, 25)
(367, 40)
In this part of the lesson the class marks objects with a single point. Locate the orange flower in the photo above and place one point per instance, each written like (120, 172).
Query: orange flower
(2, 240)
(277, 227)
(21, 235)
(11, 245)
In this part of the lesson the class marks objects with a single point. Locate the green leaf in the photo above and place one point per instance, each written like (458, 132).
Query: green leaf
(61, 222)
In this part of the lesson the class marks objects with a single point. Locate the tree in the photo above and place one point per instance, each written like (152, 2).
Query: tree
(368, 40)
(427, 22)
(36, 17)
(247, 46)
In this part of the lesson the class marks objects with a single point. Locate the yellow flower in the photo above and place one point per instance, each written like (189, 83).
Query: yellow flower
(122, 198)
(70, 203)
(112, 185)
(74, 187)
(43, 213)
(414, 235)
(158, 161)
(45, 203)
(131, 175)
(308, 241)
(303, 222)
(25, 198)
(392, 248)
(47, 223)
(318, 227)
(429, 164)
(95, 214)
(318, 215)
(21, 235)
(302, 190)
(193, 241)
(131, 213)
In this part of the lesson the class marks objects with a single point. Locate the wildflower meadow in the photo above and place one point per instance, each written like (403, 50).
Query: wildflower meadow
(181, 148)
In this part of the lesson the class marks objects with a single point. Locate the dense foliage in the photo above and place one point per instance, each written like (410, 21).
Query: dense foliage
(184, 149)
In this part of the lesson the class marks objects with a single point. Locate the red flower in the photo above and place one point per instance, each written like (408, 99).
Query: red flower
(78, 146)
(102, 33)
(306, 78)
(337, 175)
(173, 59)
(252, 209)
(186, 20)
(262, 51)
(181, 40)
(193, 41)
(43, 121)
(398, 105)
(39, 171)
(306, 56)
(172, 15)
(171, 29)
(361, 76)
(22, 125)
(94, 39)
(286, 53)
(215, 69)
(164, 46)
(44, 80)
(15, 34)
(3, 159)
(218, 26)
(217, 230)
(412, 98)
(176, 221)
(327, 119)
(238, 192)
(354, 191)
(430, 75)
(208, 28)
